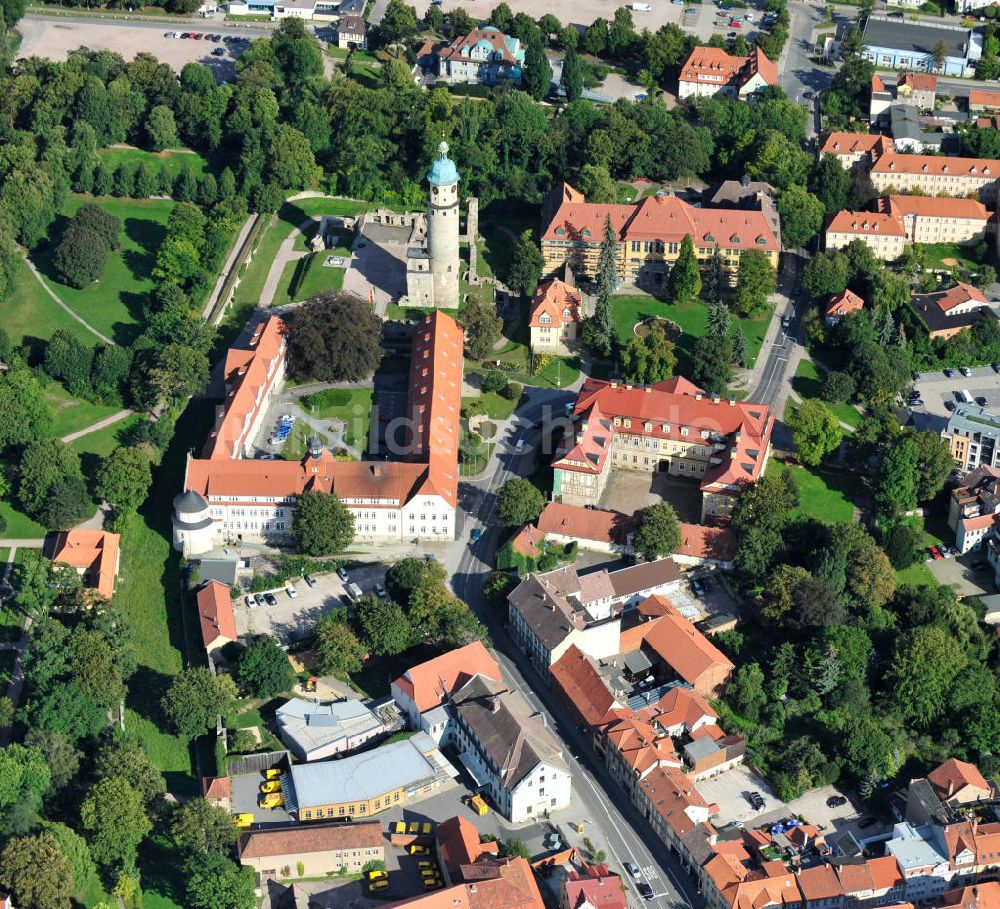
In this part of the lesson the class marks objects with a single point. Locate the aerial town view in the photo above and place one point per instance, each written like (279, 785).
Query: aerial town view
(499, 455)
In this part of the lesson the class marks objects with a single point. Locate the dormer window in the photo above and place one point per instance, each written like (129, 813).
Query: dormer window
(734, 238)
(566, 313)
(560, 232)
(545, 319)
(709, 238)
(666, 427)
(585, 232)
(647, 427)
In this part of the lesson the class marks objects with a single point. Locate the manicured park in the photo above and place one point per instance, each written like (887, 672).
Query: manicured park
(824, 495)
(807, 382)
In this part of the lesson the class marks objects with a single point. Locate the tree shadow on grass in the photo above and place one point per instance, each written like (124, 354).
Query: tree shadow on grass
(146, 689)
(148, 235)
(161, 865)
(807, 386)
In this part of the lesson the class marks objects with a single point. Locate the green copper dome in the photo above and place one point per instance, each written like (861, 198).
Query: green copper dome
(443, 171)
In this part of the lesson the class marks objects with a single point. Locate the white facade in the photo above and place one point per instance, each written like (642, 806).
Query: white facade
(545, 789)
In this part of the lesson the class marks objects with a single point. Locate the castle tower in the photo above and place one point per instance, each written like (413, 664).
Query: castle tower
(442, 229)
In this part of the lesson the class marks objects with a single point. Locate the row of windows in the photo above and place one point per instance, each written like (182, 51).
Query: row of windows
(248, 512)
(255, 525)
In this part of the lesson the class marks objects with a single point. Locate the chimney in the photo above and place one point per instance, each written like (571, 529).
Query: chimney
(579, 438)
(697, 396)
(649, 389)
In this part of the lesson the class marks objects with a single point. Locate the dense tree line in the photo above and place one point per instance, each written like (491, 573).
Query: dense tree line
(847, 675)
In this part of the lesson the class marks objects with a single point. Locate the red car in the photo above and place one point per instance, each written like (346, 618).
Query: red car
(936, 553)
(736, 24)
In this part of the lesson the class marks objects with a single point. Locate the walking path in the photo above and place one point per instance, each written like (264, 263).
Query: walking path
(237, 248)
(48, 290)
(100, 424)
(286, 253)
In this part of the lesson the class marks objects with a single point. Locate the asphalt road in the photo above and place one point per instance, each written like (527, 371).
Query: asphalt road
(610, 819)
(799, 74)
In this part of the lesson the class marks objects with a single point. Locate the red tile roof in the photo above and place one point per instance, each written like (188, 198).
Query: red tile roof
(713, 66)
(596, 892)
(215, 613)
(979, 97)
(461, 46)
(586, 523)
(843, 304)
(426, 684)
(936, 207)
(639, 745)
(820, 883)
(680, 707)
(575, 676)
(216, 787)
(985, 895)
(684, 648)
(866, 223)
(557, 299)
(891, 163)
(699, 541)
(94, 553)
(527, 541)
(885, 872)
(309, 838)
(675, 797)
(960, 294)
(877, 84)
(920, 82)
(458, 843)
(953, 774)
(853, 143)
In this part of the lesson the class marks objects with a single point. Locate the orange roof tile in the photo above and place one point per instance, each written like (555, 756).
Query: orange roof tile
(891, 163)
(885, 873)
(920, 82)
(713, 66)
(960, 294)
(685, 649)
(699, 541)
(631, 638)
(680, 707)
(640, 747)
(528, 541)
(675, 797)
(426, 684)
(215, 613)
(936, 207)
(954, 774)
(584, 688)
(597, 892)
(979, 97)
(458, 843)
(557, 299)
(984, 895)
(820, 883)
(586, 523)
(866, 223)
(843, 303)
(852, 143)
(877, 84)
(94, 553)
(216, 787)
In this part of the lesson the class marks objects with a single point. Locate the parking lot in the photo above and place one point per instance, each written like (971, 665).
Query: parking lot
(940, 392)
(837, 820)
(246, 798)
(292, 620)
(728, 791)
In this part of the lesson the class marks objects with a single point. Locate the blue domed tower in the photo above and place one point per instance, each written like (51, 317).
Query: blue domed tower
(442, 229)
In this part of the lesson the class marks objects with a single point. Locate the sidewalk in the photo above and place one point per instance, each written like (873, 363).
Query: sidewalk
(100, 424)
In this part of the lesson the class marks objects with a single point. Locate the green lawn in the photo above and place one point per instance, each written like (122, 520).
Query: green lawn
(352, 406)
(807, 383)
(115, 305)
(29, 312)
(692, 319)
(19, 526)
(823, 495)
(104, 441)
(919, 573)
(936, 253)
(558, 373)
(291, 215)
(317, 279)
(73, 414)
(489, 403)
(173, 160)
(483, 267)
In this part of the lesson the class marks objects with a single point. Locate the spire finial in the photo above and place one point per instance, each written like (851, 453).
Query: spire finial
(443, 148)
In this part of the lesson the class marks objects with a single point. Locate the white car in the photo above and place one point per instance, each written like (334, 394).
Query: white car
(291, 591)
(251, 603)
(520, 445)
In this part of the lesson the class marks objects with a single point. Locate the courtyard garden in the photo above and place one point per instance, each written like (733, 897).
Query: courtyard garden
(826, 495)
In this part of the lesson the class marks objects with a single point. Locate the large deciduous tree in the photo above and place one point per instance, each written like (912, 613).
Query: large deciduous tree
(114, 816)
(815, 430)
(756, 282)
(264, 669)
(659, 532)
(322, 524)
(483, 328)
(519, 501)
(201, 826)
(124, 478)
(334, 337)
(36, 872)
(650, 358)
(385, 626)
(525, 265)
(801, 216)
(214, 882)
(193, 701)
(337, 647)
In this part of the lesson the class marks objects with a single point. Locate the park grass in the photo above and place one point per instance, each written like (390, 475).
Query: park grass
(352, 406)
(19, 526)
(101, 443)
(559, 372)
(919, 573)
(807, 382)
(173, 160)
(823, 495)
(483, 267)
(73, 414)
(489, 403)
(115, 305)
(317, 279)
(692, 318)
(936, 253)
(278, 229)
(29, 312)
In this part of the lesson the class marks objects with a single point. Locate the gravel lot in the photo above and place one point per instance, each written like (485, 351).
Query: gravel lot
(47, 37)
(727, 789)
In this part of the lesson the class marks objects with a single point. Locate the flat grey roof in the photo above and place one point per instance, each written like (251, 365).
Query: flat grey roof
(916, 38)
(362, 776)
(308, 725)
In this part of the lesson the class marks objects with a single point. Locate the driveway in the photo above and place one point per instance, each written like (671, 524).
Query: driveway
(959, 574)
(836, 821)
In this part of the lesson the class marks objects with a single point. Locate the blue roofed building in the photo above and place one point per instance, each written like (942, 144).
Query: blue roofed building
(892, 43)
(485, 55)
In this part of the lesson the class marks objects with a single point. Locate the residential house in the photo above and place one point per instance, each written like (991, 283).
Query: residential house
(881, 232)
(672, 426)
(856, 149)
(556, 313)
(686, 652)
(871, 882)
(509, 751)
(215, 616)
(94, 554)
(922, 856)
(983, 100)
(985, 895)
(489, 883)
(229, 496)
(352, 32)
(959, 783)
(633, 749)
(935, 175)
(681, 711)
(649, 235)
(313, 730)
(711, 71)
(973, 507)
(591, 528)
(882, 99)
(841, 305)
(911, 132)
(423, 690)
(672, 805)
(579, 687)
(314, 850)
(528, 542)
(920, 89)
(485, 55)
(598, 890)
(361, 785)
(218, 790)
(712, 751)
(821, 888)
(945, 313)
(892, 43)
(457, 845)
(932, 220)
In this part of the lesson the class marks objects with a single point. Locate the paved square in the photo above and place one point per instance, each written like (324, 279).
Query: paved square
(728, 791)
(629, 491)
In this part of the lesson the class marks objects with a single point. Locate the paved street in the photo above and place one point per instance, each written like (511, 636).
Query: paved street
(799, 74)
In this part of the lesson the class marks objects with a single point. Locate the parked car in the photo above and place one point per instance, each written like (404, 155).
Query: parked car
(270, 599)
(274, 773)
(965, 371)
(520, 445)
(645, 891)
(935, 553)
(916, 402)
(291, 591)
(354, 591)
(748, 17)
(249, 602)
(343, 575)
(259, 599)
(786, 323)
(243, 821)
(419, 850)
(476, 535)
(735, 24)
(270, 786)
(309, 579)
(949, 373)
(380, 591)
(219, 52)
(996, 367)
(632, 869)
(835, 801)
(981, 401)
(949, 405)
(699, 586)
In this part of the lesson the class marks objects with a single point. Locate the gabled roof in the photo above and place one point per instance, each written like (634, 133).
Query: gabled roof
(595, 524)
(428, 684)
(528, 541)
(935, 207)
(685, 649)
(700, 541)
(953, 775)
(583, 686)
(931, 165)
(680, 707)
(843, 304)
(866, 224)
(960, 294)
(885, 873)
(458, 844)
(639, 745)
(506, 48)
(853, 143)
(603, 892)
(94, 553)
(920, 82)
(215, 613)
(216, 787)
(556, 299)
(675, 797)
(980, 97)
(984, 895)
(309, 838)
(713, 66)
(820, 883)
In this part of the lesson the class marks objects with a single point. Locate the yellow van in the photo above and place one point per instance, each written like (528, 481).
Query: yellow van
(273, 800)
(478, 804)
